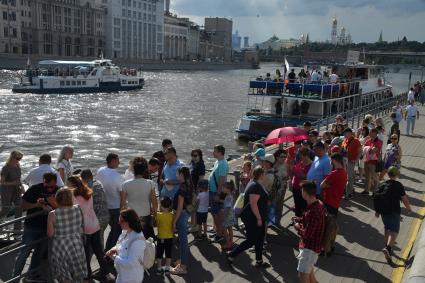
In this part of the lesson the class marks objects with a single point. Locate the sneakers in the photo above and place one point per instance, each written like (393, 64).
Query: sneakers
(178, 270)
(261, 264)
(387, 253)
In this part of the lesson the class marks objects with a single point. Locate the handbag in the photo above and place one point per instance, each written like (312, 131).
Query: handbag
(239, 204)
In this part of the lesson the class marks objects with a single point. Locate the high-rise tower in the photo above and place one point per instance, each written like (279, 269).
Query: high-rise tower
(334, 33)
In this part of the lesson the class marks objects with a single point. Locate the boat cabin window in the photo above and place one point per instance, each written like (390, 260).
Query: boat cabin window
(73, 82)
(124, 81)
(84, 82)
(62, 83)
(78, 82)
(68, 83)
(94, 72)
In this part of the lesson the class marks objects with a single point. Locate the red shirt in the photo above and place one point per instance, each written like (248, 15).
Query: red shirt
(312, 227)
(299, 174)
(336, 181)
(353, 148)
(374, 143)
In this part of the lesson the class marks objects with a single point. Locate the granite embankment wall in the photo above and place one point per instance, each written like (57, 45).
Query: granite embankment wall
(14, 62)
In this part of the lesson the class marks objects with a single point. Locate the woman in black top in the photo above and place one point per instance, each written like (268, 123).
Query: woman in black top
(254, 216)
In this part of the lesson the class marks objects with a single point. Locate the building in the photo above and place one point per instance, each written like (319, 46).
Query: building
(134, 29)
(334, 32)
(176, 37)
(236, 41)
(245, 42)
(343, 38)
(10, 27)
(220, 34)
(276, 44)
(193, 42)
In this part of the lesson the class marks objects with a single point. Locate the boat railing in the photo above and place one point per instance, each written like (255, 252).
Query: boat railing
(320, 90)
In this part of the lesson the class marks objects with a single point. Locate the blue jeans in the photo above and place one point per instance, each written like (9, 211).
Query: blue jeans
(115, 232)
(181, 226)
(410, 122)
(30, 235)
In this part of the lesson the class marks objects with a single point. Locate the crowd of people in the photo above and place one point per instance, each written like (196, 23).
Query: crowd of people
(313, 76)
(74, 209)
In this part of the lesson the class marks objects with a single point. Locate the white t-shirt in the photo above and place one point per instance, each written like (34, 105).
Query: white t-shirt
(139, 195)
(111, 182)
(67, 167)
(333, 78)
(410, 96)
(35, 176)
(411, 111)
(128, 175)
(203, 198)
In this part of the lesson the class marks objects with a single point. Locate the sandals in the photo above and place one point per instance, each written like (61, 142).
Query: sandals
(178, 270)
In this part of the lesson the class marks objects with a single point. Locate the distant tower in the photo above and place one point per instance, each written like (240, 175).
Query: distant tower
(349, 40)
(380, 37)
(334, 34)
(342, 38)
(302, 38)
(245, 42)
(167, 7)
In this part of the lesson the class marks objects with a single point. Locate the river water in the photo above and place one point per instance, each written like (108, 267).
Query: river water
(193, 109)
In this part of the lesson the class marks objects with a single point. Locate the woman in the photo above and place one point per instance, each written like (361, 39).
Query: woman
(197, 172)
(281, 169)
(254, 215)
(84, 198)
(300, 174)
(392, 156)
(181, 202)
(11, 186)
(129, 249)
(65, 227)
(64, 164)
(139, 194)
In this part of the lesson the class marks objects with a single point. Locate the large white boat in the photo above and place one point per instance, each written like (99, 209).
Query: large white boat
(275, 104)
(57, 76)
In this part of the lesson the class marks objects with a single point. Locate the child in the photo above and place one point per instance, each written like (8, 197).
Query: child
(245, 176)
(228, 215)
(202, 203)
(164, 222)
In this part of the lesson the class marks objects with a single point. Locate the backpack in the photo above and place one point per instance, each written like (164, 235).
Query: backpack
(383, 199)
(149, 253)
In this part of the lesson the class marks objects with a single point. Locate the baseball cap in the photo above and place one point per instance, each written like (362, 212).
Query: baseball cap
(270, 158)
(260, 153)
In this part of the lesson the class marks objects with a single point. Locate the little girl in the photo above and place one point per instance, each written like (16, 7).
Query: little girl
(164, 223)
(229, 219)
(245, 176)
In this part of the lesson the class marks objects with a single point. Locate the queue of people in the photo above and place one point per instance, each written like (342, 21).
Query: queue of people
(74, 208)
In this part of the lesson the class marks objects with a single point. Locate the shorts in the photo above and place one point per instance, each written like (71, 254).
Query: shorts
(306, 260)
(391, 222)
(201, 218)
(215, 206)
(164, 245)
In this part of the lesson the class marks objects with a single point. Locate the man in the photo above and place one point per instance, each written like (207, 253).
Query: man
(411, 114)
(353, 150)
(372, 150)
(153, 166)
(395, 127)
(307, 126)
(314, 76)
(391, 192)
(320, 167)
(292, 76)
(216, 181)
(100, 204)
(311, 228)
(333, 78)
(313, 136)
(111, 182)
(398, 112)
(410, 96)
(38, 198)
(160, 155)
(35, 176)
(332, 190)
(168, 179)
(292, 153)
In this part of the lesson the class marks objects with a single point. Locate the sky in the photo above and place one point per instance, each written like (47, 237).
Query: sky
(364, 19)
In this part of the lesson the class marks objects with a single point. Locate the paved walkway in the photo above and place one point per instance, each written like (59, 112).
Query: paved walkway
(358, 256)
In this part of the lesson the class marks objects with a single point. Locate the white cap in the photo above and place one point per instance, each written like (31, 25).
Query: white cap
(270, 158)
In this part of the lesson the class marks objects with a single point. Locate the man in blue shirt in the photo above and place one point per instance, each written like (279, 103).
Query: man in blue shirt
(169, 182)
(216, 181)
(320, 167)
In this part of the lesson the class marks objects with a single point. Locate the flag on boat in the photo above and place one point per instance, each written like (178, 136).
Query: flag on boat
(285, 68)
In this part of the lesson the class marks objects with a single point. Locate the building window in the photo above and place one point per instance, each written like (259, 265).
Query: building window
(68, 83)
(62, 83)
(124, 13)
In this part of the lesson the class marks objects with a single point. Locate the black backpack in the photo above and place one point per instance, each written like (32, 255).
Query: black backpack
(383, 199)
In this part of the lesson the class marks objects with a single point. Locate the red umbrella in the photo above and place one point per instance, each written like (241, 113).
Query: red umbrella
(286, 134)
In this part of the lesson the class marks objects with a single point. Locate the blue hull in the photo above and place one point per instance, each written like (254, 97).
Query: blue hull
(110, 88)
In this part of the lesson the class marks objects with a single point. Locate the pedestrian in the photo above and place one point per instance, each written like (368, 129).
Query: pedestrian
(392, 156)
(111, 182)
(40, 197)
(202, 204)
(139, 194)
(387, 205)
(216, 180)
(395, 127)
(259, 154)
(153, 167)
(410, 96)
(282, 172)
(168, 179)
(35, 176)
(333, 187)
(320, 167)
(197, 173)
(129, 172)
(229, 219)
(100, 205)
(254, 216)
(422, 95)
(130, 248)
(398, 110)
(299, 175)
(160, 155)
(372, 151)
(164, 223)
(64, 164)
(245, 176)
(311, 228)
(64, 228)
(410, 116)
(353, 150)
(11, 187)
(181, 204)
(93, 243)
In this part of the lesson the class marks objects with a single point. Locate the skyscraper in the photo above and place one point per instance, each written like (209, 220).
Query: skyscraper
(245, 42)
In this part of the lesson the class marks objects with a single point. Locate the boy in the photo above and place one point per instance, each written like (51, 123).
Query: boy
(202, 201)
(311, 228)
(164, 222)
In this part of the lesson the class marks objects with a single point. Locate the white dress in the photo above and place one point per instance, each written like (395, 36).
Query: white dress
(127, 262)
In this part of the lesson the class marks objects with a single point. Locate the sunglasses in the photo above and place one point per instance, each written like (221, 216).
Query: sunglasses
(393, 138)
(194, 155)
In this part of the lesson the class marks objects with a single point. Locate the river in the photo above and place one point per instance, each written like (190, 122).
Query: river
(193, 109)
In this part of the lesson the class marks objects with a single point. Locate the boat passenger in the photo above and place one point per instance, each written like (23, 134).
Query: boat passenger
(333, 78)
(302, 75)
(278, 107)
(277, 76)
(291, 76)
(314, 76)
(268, 77)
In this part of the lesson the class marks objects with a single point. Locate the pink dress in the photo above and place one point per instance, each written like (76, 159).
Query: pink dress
(91, 223)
